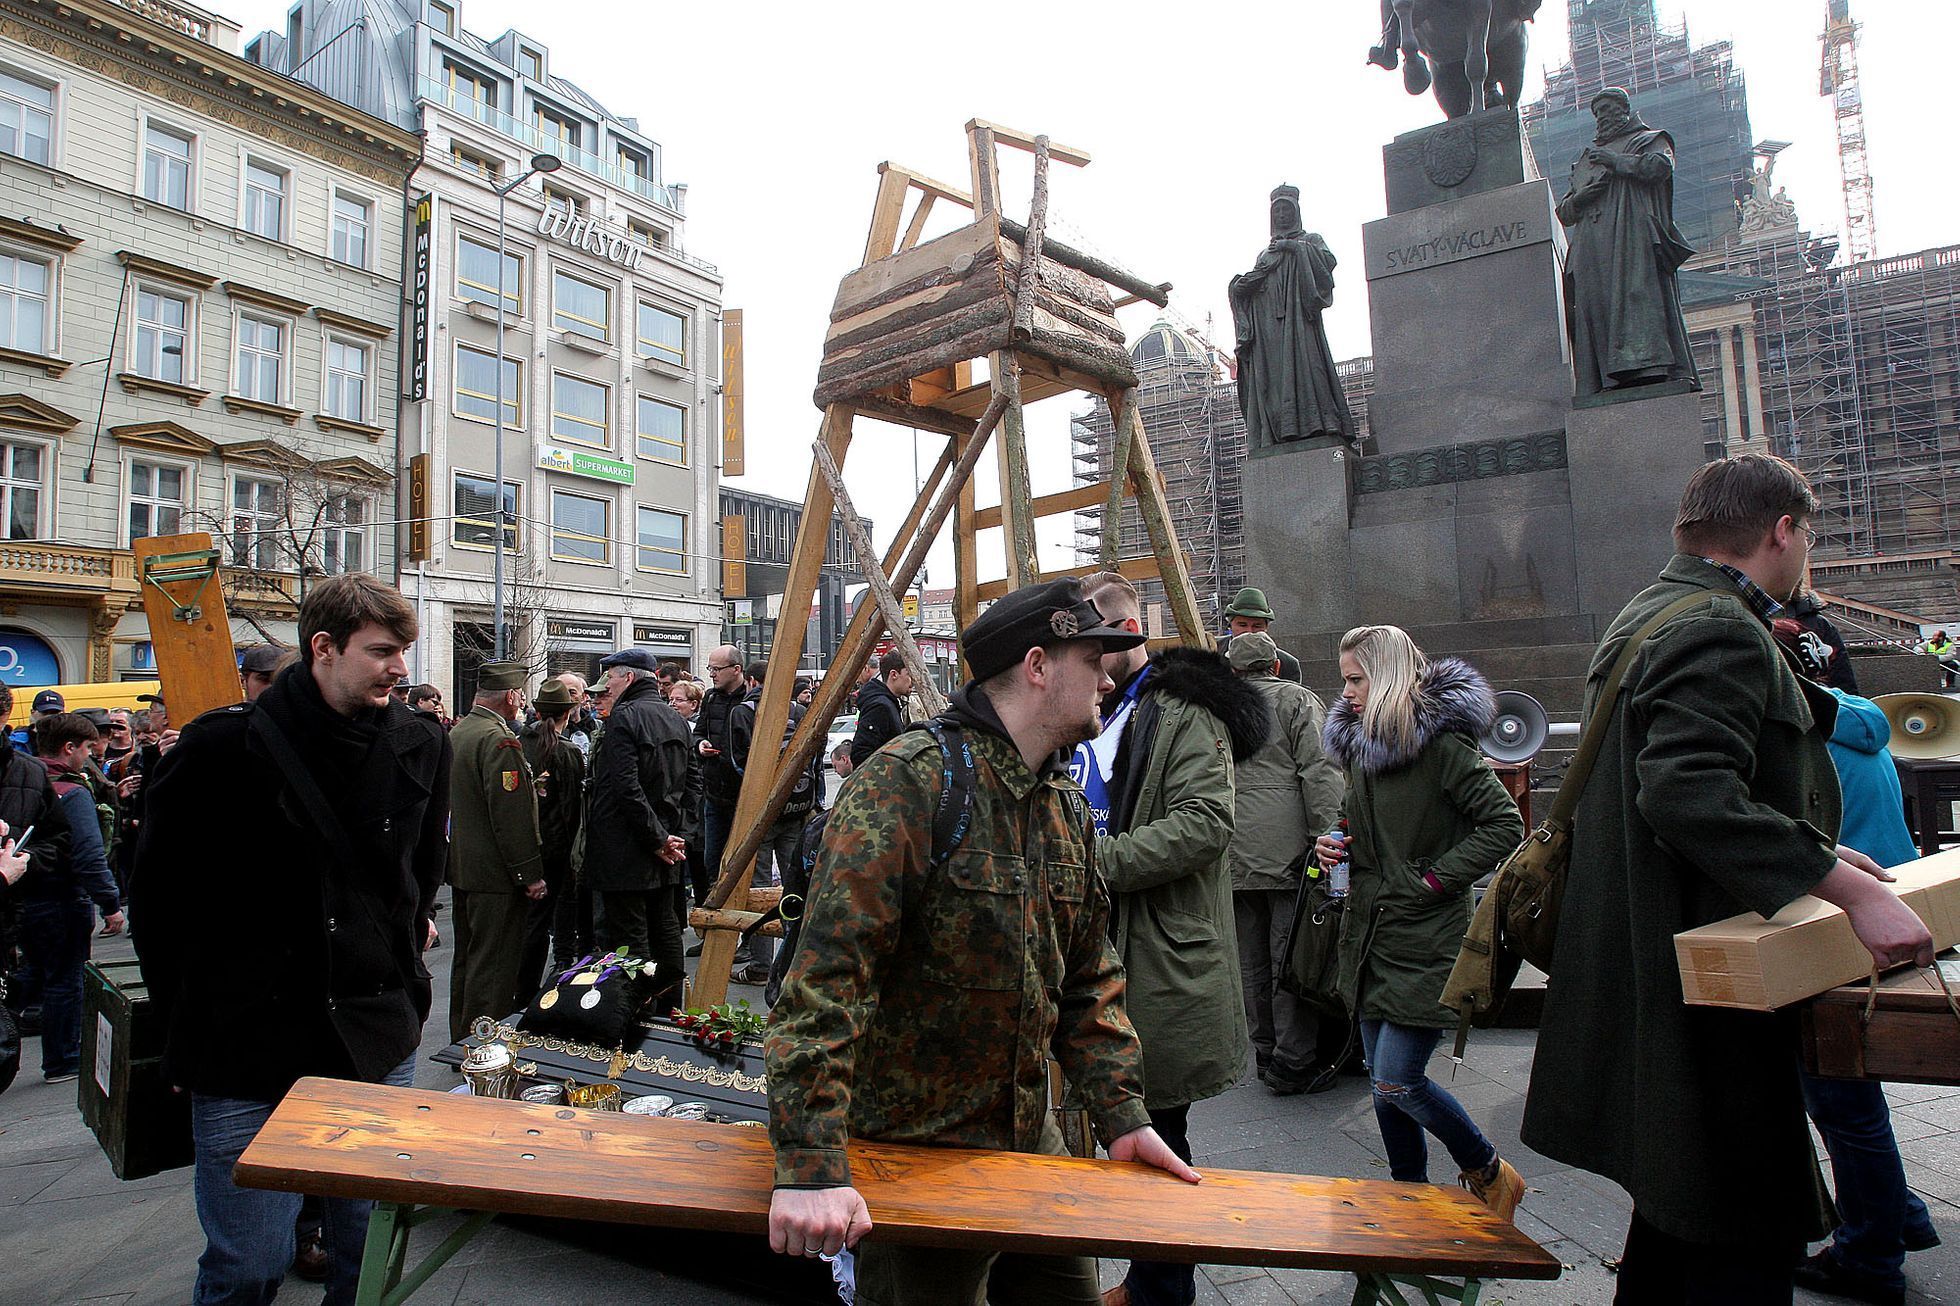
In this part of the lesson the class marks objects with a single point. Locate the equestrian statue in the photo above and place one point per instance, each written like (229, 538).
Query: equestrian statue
(1471, 50)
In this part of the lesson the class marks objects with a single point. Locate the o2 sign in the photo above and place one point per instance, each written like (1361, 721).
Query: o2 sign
(26, 659)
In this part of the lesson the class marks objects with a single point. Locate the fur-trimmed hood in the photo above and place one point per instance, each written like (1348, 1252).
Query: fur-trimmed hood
(1204, 679)
(1454, 698)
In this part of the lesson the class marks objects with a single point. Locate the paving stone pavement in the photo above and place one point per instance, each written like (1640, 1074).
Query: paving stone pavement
(70, 1232)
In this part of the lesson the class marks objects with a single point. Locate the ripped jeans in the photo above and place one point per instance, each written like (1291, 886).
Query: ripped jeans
(1408, 1105)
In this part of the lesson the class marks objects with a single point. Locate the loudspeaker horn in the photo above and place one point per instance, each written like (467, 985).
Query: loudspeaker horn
(1519, 730)
(1923, 725)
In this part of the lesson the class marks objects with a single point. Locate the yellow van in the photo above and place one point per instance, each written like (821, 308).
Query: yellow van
(113, 693)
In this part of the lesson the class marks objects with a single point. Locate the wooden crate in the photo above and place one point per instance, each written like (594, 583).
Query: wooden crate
(1912, 1037)
(126, 1099)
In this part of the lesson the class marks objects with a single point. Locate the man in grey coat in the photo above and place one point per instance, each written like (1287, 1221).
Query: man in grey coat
(1713, 794)
(1285, 794)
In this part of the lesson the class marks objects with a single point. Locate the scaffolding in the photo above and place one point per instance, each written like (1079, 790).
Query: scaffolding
(1838, 82)
(1694, 93)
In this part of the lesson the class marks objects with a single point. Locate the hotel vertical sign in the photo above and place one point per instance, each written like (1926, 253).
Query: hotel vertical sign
(732, 453)
(418, 312)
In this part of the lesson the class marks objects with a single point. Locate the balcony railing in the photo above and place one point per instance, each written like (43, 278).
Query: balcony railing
(535, 141)
(68, 567)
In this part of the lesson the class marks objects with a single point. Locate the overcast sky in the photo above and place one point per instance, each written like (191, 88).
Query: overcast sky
(777, 115)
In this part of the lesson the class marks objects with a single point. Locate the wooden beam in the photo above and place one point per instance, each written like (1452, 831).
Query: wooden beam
(1022, 141)
(1140, 567)
(1119, 478)
(917, 226)
(886, 211)
(926, 185)
(1040, 379)
(1156, 513)
(758, 805)
(1050, 505)
(1069, 256)
(881, 589)
(1024, 289)
(985, 165)
(1017, 523)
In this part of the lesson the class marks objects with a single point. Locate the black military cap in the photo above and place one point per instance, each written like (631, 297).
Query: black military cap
(1037, 614)
(639, 659)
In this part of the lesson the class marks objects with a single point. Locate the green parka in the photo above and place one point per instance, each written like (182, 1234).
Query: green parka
(1714, 794)
(1424, 825)
(1287, 793)
(1167, 872)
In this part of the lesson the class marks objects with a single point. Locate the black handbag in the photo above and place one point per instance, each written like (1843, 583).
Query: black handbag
(1313, 947)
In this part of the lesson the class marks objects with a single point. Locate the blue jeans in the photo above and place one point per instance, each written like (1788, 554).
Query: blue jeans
(55, 937)
(1407, 1103)
(249, 1231)
(1875, 1208)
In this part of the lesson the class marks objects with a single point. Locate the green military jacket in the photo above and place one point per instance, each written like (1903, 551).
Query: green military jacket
(493, 808)
(923, 1003)
(1286, 794)
(1714, 794)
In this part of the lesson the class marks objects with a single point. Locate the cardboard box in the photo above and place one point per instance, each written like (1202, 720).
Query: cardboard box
(1809, 947)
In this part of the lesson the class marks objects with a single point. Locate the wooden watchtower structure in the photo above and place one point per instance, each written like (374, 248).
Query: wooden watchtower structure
(906, 330)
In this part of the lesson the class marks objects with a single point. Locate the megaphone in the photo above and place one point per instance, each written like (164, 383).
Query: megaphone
(1519, 730)
(1923, 725)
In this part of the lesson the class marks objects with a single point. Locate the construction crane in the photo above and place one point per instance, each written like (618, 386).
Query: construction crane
(1838, 82)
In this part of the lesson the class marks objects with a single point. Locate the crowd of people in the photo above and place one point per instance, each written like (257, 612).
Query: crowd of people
(1096, 853)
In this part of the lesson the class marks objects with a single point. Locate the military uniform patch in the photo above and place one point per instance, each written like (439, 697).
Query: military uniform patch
(510, 782)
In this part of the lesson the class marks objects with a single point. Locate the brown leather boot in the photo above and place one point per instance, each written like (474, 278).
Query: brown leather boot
(1501, 1192)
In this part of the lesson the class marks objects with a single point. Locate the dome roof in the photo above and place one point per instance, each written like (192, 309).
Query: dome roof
(1164, 343)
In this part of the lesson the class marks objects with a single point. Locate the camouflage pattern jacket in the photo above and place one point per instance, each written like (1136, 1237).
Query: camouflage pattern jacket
(922, 1004)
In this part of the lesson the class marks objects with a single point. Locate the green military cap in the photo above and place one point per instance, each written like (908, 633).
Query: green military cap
(1252, 651)
(500, 675)
(552, 695)
(1250, 603)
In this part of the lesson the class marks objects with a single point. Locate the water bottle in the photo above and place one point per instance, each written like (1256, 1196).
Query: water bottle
(1337, 876)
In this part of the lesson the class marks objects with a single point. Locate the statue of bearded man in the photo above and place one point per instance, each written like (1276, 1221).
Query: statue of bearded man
(1288, 387)
(1623, 304)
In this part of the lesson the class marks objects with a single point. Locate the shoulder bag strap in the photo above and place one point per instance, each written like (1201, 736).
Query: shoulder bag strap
(1576, 775)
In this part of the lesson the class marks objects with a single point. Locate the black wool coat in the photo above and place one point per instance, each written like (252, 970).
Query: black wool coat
(268, 955)
(641, 791)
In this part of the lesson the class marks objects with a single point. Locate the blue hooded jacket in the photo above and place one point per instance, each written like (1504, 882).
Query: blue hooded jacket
(1874, 806)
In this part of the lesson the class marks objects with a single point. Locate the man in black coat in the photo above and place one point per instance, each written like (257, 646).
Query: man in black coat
(881, 713)
(635, 857)
(721, 783)
(280, 901)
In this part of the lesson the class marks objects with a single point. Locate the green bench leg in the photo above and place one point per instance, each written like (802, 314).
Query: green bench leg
(1374, 1288)
(383, 1282)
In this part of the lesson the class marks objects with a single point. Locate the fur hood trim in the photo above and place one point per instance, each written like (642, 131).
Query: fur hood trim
(1454, 698)
(1204, 679)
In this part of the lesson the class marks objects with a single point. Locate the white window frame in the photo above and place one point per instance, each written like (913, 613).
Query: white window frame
(639, 450)
(336, 531)
(185, 506)
(52, 109)
(487, 294)
(582, 425)
(50, 301)
(282, 387)
(336, 196)
(566, 130)
(190, 162)
(553, 530)
(454, 72)
(10, 484)
(456, 390)
(329, 377)
(526, 52)
(265, 543)
(601, 329)
(188, 357)
(660, 352)
(511, 540)
(442, 17)
(246, 162)
(682, 570)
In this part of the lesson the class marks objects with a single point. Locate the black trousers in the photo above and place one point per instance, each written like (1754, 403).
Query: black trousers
(648, 921)
(1658, 1269)
(1161, 1283)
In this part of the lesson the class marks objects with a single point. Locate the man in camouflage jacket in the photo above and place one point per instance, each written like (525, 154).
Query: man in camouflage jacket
(923, 1001)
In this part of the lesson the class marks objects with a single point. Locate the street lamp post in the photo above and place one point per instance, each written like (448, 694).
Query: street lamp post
(539, 163)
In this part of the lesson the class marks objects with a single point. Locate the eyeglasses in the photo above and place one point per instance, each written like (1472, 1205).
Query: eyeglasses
(726, 666)
(1809, 534)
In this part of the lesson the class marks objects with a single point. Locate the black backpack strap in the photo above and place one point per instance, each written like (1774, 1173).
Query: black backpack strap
(952, 818)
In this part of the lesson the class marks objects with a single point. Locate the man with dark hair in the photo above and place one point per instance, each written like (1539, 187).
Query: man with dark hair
(1713, 794)
(635, 853)
(426, 699)
(880, 713)
(1160, 781)
(260, 664)
(281, 898)
(496, 859)
(922, 1005)
(71, 883)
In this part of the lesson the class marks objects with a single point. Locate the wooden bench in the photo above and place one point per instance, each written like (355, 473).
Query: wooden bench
(413, 1152)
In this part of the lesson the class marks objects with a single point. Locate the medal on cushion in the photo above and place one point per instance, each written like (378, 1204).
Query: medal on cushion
(590, 1000)
(549, 1000)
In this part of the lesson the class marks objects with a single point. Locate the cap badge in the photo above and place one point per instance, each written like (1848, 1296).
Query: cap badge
(1064, 624)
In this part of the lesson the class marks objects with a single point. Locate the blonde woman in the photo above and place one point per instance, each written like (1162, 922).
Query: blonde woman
(1426, 818)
